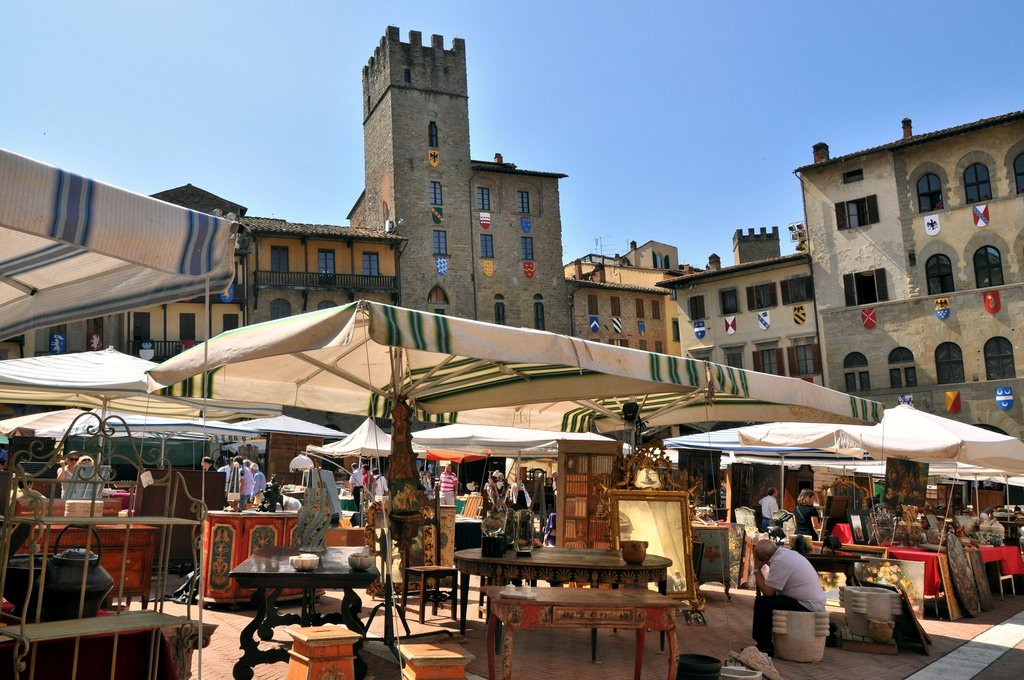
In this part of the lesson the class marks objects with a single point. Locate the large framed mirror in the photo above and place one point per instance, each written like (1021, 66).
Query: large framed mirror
(662, 518)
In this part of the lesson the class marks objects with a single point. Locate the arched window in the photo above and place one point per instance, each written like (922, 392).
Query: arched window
(976, 184)
(929, 193)
(432, 135)
(855, 368)
(326, 304)
(940, 274)
(280, 308)
(949, 363)
(538, 312)
(999, 359)
(437, 296)
(902, 372)
(499, 309)
(988, 267)
(1018, 173)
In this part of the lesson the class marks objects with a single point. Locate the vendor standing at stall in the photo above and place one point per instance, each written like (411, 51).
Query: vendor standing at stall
(448, 485)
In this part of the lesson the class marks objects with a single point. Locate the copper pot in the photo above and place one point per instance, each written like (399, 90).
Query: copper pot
(634, 552)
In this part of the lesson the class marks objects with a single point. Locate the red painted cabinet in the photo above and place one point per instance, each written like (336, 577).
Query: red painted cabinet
(229, 538)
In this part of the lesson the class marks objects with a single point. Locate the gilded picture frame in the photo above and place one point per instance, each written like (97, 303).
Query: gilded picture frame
(662, 518)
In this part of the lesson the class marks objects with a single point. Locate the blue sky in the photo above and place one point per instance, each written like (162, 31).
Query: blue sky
(678, 122)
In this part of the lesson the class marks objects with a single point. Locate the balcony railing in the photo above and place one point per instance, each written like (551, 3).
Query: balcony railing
(313, 280)
(163, 349)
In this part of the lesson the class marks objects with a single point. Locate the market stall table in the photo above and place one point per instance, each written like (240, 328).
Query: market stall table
(835, 562)
(556, 566)
(1008, 557)
(579, 608)
(269, 572)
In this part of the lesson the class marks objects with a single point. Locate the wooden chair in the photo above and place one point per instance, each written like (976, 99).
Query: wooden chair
(433, 573)
(474, 503)
(1005, 577)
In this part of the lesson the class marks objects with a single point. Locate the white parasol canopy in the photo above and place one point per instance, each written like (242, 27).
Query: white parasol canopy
(108, 380)
(34, 423)
(290, 425)
(496, 439)
(367, 441)
(904, 432)
(75, 248)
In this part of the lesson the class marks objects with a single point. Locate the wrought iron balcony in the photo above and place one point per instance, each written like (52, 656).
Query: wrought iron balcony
(325, 281)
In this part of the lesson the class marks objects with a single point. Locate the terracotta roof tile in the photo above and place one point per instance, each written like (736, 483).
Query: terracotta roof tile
(270, 225)
(609, 285)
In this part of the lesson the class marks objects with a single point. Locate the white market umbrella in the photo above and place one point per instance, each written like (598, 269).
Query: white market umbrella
(366, 441)
(133, 423)
(289, 425)
(75, 248)
(903, 432)
(33, 424)
(497, 439)
(108, 380)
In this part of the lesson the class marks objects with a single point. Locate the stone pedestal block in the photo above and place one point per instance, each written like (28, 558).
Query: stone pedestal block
(322, 652)
(435, 662)
(799, 636)
(864, 603)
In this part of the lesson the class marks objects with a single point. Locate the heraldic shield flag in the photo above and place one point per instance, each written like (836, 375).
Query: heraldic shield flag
(442, 266)
(993, 303)
(953, 401)
(1004, 398)
(528, 269)
(699, 330)
(868, 318)
(942, 308)
(799, 315)
(764, 320)
(595, 324)
(730, 324)
(980, 215)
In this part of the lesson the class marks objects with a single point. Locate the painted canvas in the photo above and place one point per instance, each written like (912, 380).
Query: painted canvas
(906, 574)
(723, 553)
(906, 482)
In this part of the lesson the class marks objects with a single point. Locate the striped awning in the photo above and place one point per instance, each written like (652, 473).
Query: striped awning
(356, 357)
(74, 248)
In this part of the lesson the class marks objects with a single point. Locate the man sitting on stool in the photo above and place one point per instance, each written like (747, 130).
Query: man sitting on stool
(791, 584)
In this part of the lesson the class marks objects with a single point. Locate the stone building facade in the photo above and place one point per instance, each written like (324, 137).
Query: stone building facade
(916, 248)
(757, 315)
(619, 314)
(484, 237)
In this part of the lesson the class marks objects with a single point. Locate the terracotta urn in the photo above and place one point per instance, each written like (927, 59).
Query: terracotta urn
(634, 552)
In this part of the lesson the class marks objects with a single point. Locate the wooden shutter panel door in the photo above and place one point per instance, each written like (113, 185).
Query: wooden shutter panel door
(784, 285)
(816, 358)
(757, 360)
(881, 286)
(774, 297)
(840, 216)
(850, 289)
(750, 298)
(872, 202)
(780, 358)
(791, 355)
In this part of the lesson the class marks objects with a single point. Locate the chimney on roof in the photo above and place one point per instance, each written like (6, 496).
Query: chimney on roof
(498, 159)
(908, 128)
(632, 245)
(598, 273)
(820, 152)
(579, 269)
(714, 262)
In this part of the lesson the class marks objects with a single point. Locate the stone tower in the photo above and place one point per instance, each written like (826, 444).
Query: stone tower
(752, 247)
(484, 237)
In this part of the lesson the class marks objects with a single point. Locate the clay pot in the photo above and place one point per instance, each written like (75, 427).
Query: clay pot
(880, 631)
(634, 552)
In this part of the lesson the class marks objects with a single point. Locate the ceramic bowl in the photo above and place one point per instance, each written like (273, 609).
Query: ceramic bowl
(304, 562)
(360, 561)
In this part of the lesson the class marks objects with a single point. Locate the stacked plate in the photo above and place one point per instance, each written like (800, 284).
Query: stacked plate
(82, 508)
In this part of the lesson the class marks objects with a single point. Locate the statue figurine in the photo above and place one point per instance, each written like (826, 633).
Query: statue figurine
(272, 497)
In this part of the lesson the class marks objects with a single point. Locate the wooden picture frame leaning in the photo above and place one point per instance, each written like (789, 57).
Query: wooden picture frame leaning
(662, 518)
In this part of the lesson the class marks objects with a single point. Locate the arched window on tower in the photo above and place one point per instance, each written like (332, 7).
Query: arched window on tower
(976, 184)
(999, 359)
(280, 308)
(855, 370)
(432, 135)
(438, 300)
(940, 275)
(949, 363)
(988, 267)
(902, 372)
(1018, 173)
(538, 312)
(929, 193)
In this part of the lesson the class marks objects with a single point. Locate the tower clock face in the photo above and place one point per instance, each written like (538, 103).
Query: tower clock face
(647, 478)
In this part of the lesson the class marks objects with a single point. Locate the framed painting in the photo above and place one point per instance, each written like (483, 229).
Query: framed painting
(962, 575)
(906, 482)
(723, 553)
(861, 528)
(907, 575)
(662, 518)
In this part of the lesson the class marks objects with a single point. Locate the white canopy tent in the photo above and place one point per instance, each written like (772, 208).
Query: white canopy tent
(903, 432)
(289, 425)
(367, 441)
(29, 425)
(75, 248)
(109, 380)
(498, 440)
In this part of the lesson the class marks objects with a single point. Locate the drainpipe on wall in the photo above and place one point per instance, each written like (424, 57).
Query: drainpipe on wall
(472, 248)
(810, 268)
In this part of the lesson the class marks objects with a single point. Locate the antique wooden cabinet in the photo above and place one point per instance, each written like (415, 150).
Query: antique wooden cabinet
(584, 469)
(229, 538)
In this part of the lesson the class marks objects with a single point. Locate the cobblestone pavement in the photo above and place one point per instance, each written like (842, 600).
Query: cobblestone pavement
(565, 654)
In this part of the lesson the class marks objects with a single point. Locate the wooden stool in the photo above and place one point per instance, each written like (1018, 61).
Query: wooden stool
(426, 574)
(435, 662)
(1004, 577)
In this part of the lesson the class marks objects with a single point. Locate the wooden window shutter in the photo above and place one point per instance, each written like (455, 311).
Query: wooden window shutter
(850, 289)
(872, 202)
(750, 298)
(791, 355)
(757, 360)
(780, 358)
(774, 297)
(881, 286)
(592, 304)
(784, 285)
(840, 215)
(816, 358)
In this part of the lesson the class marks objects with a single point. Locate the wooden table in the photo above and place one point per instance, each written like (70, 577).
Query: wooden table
(556, 566)
(831, 562)
(579, 608)
(268, 572)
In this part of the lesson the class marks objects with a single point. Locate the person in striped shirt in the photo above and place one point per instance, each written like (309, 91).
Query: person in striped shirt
(448, 485)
